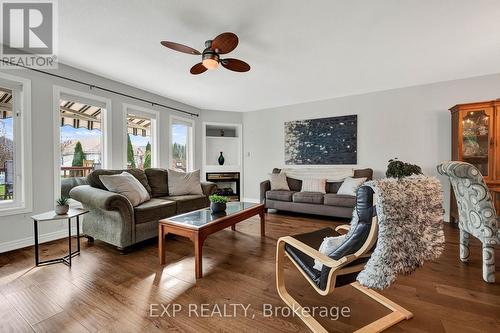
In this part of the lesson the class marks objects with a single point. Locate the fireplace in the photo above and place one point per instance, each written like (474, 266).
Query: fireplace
(228, 184)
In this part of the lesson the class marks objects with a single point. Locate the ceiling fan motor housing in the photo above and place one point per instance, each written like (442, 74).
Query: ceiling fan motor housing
(210, 54)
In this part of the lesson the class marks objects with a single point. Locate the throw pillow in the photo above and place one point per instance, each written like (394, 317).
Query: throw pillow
(313, 185)
(182, 183)
(278, 181)
(327, 247)
(126, 185)
(350, 185)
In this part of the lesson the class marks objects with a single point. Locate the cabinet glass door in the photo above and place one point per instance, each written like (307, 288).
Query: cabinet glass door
(476, 139)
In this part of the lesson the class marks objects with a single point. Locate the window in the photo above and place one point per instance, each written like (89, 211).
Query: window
(15, 145)
(80, 137)
(6, 146)
(181, 144)
(141, 142)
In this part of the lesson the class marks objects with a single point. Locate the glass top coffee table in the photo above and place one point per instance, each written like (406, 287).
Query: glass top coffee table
(199, 224)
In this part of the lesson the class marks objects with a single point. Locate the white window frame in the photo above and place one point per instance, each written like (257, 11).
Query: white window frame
(190, 142)
(21, 114)
(106, 133)
(154, 116)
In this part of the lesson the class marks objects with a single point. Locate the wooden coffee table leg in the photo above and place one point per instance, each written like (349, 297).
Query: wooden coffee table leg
(262, 215)
(161, 244)
(233, 227)
(198, 254)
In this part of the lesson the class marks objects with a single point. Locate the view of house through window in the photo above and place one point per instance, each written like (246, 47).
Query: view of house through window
(139, 141)
(80, 139)
(6, 146)
(181, 150)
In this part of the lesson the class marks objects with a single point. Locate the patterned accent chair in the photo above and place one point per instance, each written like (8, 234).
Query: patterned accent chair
(476, 212)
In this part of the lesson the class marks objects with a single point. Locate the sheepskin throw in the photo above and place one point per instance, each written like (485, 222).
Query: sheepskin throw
(410, 218)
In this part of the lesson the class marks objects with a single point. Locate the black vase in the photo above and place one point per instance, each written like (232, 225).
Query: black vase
(221, 159)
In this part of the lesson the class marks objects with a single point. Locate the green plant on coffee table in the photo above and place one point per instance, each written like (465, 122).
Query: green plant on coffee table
(62, 201)
(218, 198)
(400, 169)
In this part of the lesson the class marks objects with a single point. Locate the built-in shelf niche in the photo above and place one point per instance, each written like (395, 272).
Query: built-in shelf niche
(225, 138)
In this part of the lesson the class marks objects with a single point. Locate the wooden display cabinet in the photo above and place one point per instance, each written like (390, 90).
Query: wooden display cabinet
(475, 130)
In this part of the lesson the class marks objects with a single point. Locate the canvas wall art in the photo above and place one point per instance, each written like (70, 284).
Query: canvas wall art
(321, 141)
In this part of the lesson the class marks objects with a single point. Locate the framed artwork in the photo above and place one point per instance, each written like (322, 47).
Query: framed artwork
(322, 141)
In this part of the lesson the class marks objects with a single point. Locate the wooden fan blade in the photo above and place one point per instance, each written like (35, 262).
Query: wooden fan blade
(198, 69)
(225, 42)
(180, 47)
(235, 65)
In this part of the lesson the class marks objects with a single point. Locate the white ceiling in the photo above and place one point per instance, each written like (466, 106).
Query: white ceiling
(299, 50)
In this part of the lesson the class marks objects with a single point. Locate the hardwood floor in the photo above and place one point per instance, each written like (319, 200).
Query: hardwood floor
(105, 291)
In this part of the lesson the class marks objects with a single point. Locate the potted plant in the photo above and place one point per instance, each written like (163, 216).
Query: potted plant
(399, 169)
(62, 206)
(217, 203)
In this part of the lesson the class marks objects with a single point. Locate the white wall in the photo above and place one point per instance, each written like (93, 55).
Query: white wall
(17, 230)
(412, 124)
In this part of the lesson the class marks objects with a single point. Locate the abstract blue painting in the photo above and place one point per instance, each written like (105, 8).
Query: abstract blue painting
(322, 141)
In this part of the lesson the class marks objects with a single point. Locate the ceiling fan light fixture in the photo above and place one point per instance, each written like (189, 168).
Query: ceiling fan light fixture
(210, 63)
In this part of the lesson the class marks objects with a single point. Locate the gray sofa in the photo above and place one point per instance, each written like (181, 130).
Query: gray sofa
(329, 204)
(112, 218)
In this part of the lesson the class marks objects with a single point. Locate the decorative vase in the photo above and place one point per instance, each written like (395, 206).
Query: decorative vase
(217, 207)
(61, 210)
(221, 159)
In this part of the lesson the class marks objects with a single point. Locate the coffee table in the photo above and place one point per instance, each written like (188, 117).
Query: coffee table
(199, 224)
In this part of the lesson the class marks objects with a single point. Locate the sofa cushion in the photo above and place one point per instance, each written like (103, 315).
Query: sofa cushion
(350, 185)
(154, 210)
(158, 180)
(313, 185)
(189, 202)
(333, 187)
(184, 183)
(94, 181)
(67, 184)
(341, 200)
(366, 173)
(308, 197)
(279, 195)
(126, 185)
(293, 184)
(278, 182)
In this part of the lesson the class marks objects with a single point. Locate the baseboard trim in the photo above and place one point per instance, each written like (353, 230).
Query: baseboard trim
(30, 241)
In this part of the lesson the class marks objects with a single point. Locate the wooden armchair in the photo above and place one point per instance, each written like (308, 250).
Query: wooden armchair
(341, 267)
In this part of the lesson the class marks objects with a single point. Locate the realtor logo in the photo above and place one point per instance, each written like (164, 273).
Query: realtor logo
(28, 33)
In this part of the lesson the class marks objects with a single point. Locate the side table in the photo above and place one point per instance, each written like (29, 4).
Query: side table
(52, 216)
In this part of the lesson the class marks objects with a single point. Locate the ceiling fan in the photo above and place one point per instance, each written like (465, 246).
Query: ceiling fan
(222, 44)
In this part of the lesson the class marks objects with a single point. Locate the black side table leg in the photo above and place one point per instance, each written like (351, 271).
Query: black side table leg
(69, 241)
(37, 259)
(78, 233)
